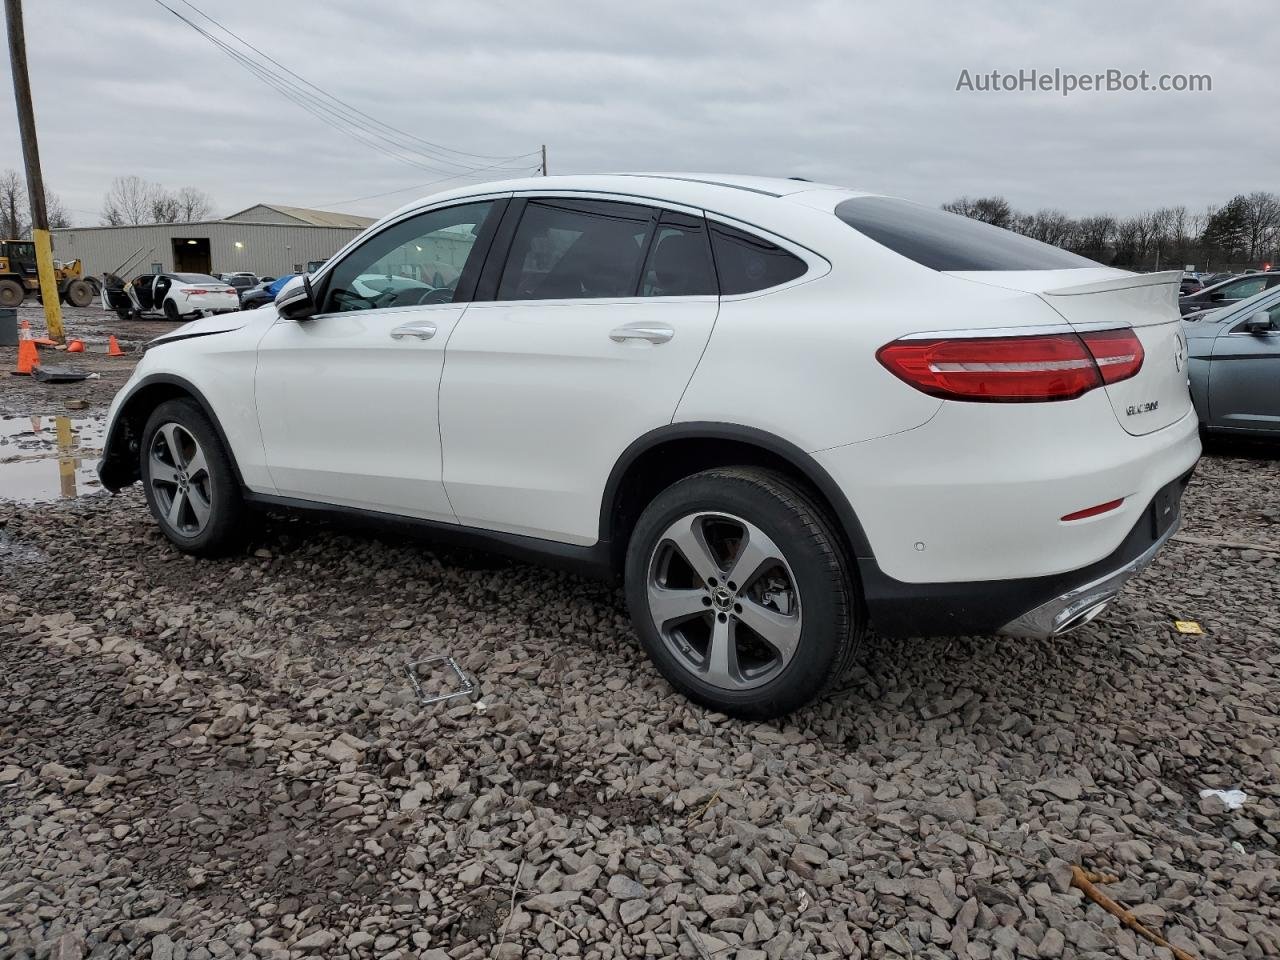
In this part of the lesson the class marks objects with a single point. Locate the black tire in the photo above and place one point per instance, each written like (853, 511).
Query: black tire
(171, 311)
(12, 293)
(124, 313)
(78, 293)
(223, 529)
(828, 604)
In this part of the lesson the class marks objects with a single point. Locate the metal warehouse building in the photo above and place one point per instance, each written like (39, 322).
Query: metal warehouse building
(266, 239)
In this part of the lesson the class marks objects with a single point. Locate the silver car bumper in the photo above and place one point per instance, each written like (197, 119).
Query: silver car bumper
(1078, 606)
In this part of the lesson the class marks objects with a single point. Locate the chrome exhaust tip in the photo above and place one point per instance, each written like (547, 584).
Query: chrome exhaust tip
(1083, 617)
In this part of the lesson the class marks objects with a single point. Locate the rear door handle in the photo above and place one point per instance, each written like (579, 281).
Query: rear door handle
(422, 329)
(652, 332)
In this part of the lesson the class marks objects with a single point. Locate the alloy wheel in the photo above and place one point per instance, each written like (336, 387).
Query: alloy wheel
(180, 479)
(724, 600)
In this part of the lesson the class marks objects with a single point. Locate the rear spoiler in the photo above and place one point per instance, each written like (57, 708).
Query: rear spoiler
(1119, 283)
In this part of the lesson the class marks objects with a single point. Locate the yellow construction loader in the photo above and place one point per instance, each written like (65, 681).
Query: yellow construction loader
(18, 276)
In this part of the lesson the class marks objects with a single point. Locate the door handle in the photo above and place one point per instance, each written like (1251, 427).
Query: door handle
(652, 332)
(422, 329)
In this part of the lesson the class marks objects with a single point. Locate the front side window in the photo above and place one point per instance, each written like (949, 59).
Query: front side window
(576, 249)
(679, 261)
(948, 241)
(746, 263)
(416, 262)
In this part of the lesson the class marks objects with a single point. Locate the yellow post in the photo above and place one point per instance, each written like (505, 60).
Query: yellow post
(31, 159)
(67, 462)
(48, 284)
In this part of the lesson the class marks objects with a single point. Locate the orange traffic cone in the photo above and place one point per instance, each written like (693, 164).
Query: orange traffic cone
(113, 348)
(28, 357)
(75, 346)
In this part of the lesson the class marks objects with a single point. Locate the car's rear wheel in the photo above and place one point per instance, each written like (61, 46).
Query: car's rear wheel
(741, 593)
(171, 311)
(188, 480)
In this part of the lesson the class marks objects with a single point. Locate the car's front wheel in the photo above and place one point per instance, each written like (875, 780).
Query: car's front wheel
(188, 480)
(741, 593)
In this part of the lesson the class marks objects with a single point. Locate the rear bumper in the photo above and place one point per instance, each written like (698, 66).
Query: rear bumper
(1030, 607)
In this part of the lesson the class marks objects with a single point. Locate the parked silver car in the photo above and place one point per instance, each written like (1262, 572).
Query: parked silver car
(1234, 365)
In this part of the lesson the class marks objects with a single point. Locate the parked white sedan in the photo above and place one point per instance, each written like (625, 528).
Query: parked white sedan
(181, 295)
(781, 412)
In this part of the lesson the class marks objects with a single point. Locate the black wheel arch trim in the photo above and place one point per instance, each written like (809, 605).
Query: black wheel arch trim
(114, 469)
(802, 462)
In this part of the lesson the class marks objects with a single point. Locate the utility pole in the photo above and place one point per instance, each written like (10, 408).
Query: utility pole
(31, 158)
(544, 159)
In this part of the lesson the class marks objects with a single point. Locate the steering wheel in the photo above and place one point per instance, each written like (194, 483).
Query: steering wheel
(438, 295)
(350, 300)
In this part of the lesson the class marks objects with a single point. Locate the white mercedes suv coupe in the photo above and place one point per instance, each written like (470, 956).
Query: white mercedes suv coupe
(782, 413)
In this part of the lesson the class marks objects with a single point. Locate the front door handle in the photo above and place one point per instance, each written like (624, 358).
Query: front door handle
(422, 329)
(652, 332)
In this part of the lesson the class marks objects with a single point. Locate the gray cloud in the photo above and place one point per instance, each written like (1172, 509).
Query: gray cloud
(860, 94)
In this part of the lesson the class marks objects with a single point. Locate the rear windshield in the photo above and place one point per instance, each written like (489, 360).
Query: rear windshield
(948, 241)
(195, 278)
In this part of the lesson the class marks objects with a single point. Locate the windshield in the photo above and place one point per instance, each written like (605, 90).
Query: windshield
(194, 278)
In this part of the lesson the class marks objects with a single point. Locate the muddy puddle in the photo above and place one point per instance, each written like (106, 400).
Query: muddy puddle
(49, 458)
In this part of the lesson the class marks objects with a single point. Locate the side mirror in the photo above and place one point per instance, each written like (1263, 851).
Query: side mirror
(295, 301)
(1258, 323)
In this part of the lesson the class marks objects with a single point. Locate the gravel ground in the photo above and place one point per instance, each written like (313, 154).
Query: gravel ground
(25, 396)
(214, 759)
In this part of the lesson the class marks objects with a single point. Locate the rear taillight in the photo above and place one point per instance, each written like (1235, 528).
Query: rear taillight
(1117, 352)
(193, 291)
(1016, 369)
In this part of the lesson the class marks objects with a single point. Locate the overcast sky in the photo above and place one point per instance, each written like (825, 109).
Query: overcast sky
(857, 94)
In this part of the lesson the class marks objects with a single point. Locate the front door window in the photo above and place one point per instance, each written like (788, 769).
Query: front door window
(419, 261)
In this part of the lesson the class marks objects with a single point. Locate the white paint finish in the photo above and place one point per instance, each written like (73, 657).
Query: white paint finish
(221, 367)
(1105, 298)
(985, 485)
(348, 413)
(538, 403)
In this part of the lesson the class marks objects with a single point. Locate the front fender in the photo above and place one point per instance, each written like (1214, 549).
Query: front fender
(119, 466)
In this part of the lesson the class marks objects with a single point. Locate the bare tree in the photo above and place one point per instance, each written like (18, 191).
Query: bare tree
(1094, 235)
(56, 211)
(128, 202)
(13, 206)
(1261, 219)
(993, 210)
(1126, 241)
(163, 206)
(132, 200)
(193, 204)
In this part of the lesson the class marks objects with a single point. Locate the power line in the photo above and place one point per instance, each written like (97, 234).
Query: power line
(327, 114)
(387, 193)
(344, 111)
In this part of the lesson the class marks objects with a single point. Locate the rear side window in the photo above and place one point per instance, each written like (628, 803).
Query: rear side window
(948, 241)
(746, 263)
(679, 262)
(573, 250)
